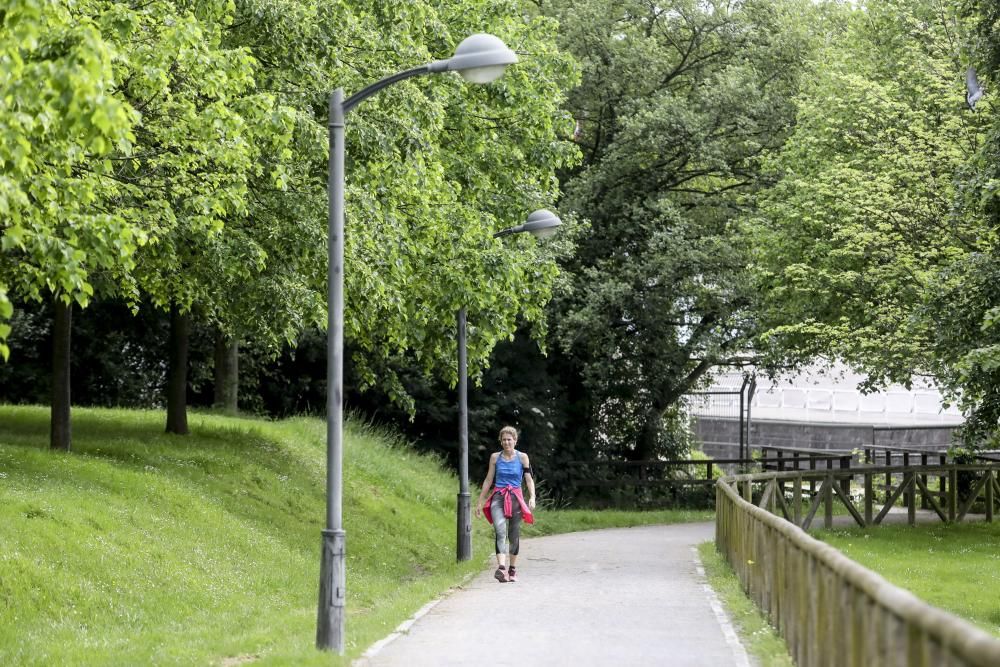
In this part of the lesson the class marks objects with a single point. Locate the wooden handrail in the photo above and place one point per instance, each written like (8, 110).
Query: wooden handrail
(840, 473)
(829, 609)
(806, 450)
(688, 462)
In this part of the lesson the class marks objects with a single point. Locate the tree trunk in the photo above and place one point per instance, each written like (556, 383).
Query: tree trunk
(60, 434)
(647, 443)
(649, 437)
(180, 328)
(227, 373)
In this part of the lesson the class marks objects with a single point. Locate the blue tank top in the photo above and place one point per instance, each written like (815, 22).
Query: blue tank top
(509, 473)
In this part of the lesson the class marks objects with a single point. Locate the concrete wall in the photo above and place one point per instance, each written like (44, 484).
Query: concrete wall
(720, 437)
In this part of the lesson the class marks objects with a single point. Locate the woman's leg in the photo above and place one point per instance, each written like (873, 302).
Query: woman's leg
(500, 529)
(514, 534)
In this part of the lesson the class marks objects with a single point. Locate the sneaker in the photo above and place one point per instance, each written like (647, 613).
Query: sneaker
(500, 575)
(511, 575)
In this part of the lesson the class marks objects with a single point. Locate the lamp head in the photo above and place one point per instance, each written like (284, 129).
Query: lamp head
(542, 223)
(481, 58)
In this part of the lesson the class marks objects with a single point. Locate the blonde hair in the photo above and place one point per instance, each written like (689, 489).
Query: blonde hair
(508, 429)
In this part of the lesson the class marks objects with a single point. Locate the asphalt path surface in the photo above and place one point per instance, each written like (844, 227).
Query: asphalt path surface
(629, 596)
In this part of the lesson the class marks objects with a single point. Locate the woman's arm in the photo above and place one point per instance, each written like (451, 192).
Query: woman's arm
(529, 481)
(486, 483)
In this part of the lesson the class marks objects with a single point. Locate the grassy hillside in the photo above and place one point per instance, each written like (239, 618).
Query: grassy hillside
(144, 548)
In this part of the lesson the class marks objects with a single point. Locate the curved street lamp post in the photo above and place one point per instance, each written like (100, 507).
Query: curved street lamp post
(480, 58)
(540, 224)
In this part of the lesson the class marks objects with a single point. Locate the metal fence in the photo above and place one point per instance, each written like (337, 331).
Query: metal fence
(723, 404)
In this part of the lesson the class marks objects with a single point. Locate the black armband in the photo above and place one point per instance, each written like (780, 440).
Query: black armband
(527, 471)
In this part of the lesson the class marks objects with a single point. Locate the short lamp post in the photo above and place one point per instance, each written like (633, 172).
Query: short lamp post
(540, 224)
(480, 58)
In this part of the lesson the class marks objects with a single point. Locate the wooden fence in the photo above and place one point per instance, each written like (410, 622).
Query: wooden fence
(830, 610)
(939, 487)
(927, 488)
(675, 476)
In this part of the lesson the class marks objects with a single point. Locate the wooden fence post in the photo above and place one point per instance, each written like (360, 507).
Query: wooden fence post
(910, 478)
(828, 502)
(989, 496)
(943, 480)
(812, 480)
(906, 464)
(797, 501)
(781, 468)
(924, 505)
(869, 493)
(888, 475)
(952, 494)
(845, 482)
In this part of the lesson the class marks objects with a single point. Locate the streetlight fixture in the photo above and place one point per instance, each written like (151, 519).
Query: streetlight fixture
(540, 224)
(480, 58)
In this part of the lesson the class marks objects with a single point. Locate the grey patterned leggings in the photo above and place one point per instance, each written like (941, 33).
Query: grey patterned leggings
(508, 532)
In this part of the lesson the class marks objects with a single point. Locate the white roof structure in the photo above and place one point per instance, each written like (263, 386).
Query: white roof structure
(831, 395)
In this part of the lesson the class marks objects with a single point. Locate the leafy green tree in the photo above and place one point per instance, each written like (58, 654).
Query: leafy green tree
(219, 173)
(426, 190)
(965, 305)
(679, 104)
(204, 130)
(176, 170)
(863, 231)
(61, 126)
(271, 286)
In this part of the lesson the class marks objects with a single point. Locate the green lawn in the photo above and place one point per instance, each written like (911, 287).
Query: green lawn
(956, 567)
(144, 548)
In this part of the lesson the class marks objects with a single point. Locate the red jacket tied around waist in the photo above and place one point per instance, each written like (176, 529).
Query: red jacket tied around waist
(508, 505)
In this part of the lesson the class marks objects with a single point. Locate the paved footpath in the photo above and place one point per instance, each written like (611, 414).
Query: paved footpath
(628, 596)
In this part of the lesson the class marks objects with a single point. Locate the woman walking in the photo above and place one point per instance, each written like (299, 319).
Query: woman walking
(506, 503)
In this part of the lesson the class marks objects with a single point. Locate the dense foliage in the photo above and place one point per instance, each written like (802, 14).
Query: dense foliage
(172, 155)
(877, 244)
(60, 127)
(851, 239)
(758, 182)
(678, 106)
(969, 340)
